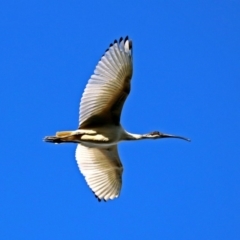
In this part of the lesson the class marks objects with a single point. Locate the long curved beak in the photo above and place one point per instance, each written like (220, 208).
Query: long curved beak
(163, 135)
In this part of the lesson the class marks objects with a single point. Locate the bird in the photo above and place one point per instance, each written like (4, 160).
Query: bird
(100, 130)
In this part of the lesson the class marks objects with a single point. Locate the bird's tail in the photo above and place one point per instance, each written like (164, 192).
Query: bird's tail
(65, 136)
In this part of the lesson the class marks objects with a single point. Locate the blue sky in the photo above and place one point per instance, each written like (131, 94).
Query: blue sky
(186, 82)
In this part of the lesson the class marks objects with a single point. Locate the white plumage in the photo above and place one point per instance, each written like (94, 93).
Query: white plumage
(110, 74)
(102, 170)
(99, 122)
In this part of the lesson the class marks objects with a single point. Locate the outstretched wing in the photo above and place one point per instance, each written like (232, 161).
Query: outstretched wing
(108, 87)
(102, 170)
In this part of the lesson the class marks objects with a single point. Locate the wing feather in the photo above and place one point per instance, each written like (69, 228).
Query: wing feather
(108, 87)
(102, 170)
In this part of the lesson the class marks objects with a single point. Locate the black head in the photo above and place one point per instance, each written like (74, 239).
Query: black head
(157, 134)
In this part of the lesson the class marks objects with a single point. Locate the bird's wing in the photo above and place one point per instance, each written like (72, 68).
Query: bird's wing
(108, 87)
(102, 170)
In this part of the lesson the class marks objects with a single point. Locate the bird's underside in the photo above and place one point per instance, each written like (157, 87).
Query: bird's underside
(101, 105)
(79, 136)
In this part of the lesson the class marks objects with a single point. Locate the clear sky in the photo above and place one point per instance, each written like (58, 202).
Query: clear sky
(186, 82)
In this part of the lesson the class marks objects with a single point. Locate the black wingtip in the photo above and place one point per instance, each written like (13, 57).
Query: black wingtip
(106, 50)
(120, 40)
(130, 45)
(99, 199)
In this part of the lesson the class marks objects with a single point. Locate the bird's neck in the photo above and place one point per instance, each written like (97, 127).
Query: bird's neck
(132, 136)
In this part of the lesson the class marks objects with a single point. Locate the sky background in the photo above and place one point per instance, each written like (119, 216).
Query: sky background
(185, 82)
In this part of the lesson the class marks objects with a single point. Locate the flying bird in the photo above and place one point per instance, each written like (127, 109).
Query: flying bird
(100, 130)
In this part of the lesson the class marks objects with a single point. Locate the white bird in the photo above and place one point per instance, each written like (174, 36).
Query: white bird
(99, 129)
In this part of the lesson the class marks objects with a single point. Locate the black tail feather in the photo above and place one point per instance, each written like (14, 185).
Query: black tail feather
(53, 139)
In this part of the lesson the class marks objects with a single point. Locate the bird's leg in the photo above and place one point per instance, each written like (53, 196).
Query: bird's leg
(70, 136)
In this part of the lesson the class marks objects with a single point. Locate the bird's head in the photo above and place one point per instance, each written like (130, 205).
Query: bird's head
(157, 135)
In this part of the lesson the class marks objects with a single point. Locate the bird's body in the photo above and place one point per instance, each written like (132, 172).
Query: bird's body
(104, 136)
(99, 129)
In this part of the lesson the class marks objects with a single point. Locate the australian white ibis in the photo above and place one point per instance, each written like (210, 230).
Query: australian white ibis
(100, 129)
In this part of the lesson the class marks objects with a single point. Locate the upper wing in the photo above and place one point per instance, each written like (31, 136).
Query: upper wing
(102, 170)
(108, 87)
